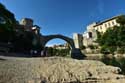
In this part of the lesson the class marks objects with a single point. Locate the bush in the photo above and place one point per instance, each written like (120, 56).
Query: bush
(108, 49)
(117, 62)
(114, 37)
(58, 52)
(92, 47)
(121, 50)
(83, 47)
(104, 50)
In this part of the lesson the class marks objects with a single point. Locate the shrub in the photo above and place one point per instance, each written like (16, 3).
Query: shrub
(121, 50)
(104, 50)
(83, 47)
(117, 62)
(91, 46)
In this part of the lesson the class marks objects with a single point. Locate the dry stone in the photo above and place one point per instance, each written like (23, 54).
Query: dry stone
(57, 70)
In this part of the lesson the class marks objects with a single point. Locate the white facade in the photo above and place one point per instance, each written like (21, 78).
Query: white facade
(91, 26)
(89, 37)
(102, 27)
(85, 35)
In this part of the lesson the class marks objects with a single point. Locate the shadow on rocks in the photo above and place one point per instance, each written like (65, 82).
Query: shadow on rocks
(1, 59)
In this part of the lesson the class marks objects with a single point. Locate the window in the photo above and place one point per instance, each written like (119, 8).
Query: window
(90, 34)
(105, 25)
(100, 27)
(109, 24)
(113, 23)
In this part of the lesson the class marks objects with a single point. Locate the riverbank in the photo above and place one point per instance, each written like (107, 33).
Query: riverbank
(56, 69)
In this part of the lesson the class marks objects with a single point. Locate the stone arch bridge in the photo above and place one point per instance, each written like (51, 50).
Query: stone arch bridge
(75, 53)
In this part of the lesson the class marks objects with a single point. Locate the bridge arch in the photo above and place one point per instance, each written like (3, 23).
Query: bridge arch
(46, 39)
(56, 41)
(75, 53)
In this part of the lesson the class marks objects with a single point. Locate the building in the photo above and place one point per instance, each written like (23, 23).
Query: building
(103, 25)
(60, 46)
(100, 27)
(89, 37)
(78, 38)
(36, 29)
(27, 24)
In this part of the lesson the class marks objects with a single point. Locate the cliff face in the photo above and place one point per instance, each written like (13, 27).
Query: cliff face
(57, 70)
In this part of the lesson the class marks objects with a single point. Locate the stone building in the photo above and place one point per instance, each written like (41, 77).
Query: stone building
(100, 27)
(61, 46)
(27, 24)
(103, 25)
(89, 37)
(78, 38)
(36, 29)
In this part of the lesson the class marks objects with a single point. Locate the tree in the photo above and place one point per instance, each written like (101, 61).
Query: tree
(114, 38)
(121, 20)
(12, 32)
(7, 24)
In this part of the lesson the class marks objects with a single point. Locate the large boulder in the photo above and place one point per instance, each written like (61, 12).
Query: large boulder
(57, 70)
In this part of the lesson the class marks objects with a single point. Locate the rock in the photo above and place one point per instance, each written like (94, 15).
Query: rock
(57, 70)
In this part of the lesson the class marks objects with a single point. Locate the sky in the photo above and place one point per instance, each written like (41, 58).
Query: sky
(64, 16)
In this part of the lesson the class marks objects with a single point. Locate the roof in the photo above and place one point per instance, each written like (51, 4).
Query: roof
(99, 23)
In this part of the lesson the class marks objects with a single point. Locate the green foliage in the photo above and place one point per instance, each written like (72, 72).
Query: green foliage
(104, 50)
(57, 52)
(99, 35)
(50, 51)
(121, 50)
(121, 19)
(83, 47)
(8, 16)
(23, 41)
(118, 62)
(7, 28)
(110, 61)
(122, 64)
(12, 32)
(114, 38)
(92, 46)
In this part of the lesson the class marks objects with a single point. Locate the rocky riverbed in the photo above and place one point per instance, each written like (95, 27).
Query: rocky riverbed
(57, 70)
